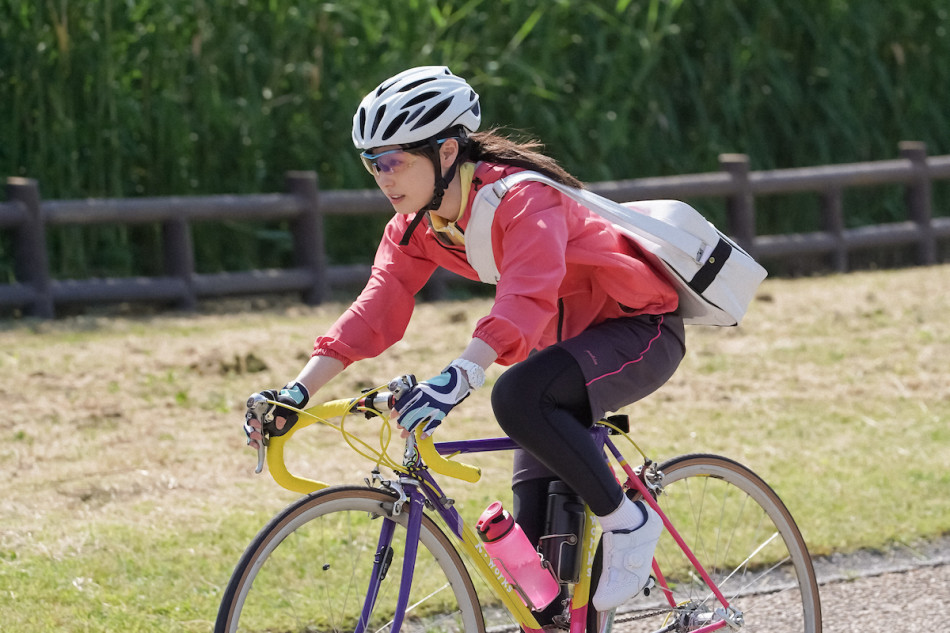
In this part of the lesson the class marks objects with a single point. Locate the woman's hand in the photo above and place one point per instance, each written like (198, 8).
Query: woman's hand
(428, 402)
(279, 419)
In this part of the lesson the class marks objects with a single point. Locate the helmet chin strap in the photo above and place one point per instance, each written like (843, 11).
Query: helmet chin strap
(441, 184)
(412, 226)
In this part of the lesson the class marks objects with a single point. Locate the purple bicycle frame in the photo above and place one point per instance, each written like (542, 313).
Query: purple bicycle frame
(431, 490)
(383, 559)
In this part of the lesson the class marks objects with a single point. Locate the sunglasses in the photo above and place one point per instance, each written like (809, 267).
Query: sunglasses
(392, 161)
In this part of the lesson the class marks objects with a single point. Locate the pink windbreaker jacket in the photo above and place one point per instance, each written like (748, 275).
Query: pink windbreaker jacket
(562, 269)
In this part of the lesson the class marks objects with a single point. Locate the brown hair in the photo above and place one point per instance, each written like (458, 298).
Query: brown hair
(494, 147)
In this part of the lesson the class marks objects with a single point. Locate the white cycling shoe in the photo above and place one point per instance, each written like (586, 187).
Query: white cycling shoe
(627, 561)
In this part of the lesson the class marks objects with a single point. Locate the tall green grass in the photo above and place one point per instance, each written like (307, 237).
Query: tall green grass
(140, 97)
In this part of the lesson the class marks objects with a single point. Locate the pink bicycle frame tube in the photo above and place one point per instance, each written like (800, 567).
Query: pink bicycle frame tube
(634, 482)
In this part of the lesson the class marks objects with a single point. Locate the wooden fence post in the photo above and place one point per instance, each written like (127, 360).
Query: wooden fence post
(740, 206)
(179, 255)
(308, 235)
(31, 263)
(832, 220)
(919, 201)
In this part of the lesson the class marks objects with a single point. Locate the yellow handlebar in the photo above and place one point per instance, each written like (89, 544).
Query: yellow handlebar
(339, 408)
(443, 466)
(275, 450)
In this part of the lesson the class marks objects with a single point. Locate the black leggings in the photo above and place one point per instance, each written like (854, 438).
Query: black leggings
(542, 404)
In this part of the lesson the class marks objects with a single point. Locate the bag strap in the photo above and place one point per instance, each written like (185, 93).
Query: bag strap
(645, 226)
(478, 246)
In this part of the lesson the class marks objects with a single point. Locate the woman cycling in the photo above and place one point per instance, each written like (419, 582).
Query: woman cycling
(581, 315)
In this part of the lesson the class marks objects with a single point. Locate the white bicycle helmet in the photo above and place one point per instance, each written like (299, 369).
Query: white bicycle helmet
(415, 106)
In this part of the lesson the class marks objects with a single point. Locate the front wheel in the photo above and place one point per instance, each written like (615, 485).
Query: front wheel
(310, 567)
(745, 538)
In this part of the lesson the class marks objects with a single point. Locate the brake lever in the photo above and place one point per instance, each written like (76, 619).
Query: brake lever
(258, 407)
(261, 454)
(401, 385)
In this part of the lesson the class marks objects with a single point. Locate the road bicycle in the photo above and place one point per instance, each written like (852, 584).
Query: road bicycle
(391, 555)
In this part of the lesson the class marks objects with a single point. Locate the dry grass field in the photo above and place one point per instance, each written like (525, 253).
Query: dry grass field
(129, 494)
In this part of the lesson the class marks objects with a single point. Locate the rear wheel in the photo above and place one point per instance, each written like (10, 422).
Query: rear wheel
(744, 537)
(310, 567)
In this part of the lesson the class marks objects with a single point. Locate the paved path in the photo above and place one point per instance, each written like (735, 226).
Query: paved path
(903, 589)
(913, 600)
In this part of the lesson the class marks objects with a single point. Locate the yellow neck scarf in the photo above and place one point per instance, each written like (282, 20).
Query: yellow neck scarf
(440, 224)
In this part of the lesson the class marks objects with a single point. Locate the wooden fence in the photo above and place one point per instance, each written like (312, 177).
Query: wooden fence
(305, 206)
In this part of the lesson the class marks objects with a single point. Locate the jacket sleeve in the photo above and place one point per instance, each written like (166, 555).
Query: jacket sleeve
(380, 315)
(531, 233)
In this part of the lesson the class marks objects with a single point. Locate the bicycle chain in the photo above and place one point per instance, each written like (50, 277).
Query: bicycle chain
(617, 620)
(642, 616)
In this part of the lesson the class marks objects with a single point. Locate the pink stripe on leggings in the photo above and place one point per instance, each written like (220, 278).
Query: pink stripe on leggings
(636, 360)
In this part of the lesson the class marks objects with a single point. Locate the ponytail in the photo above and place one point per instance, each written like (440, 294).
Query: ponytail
(496, 148)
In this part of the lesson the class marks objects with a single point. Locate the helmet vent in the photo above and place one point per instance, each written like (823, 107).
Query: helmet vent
(425, 96)
(415, 84)
(379, 117)
(363, 121)
(394, 125)
(415, 113)
(384, 87)
(433, 113)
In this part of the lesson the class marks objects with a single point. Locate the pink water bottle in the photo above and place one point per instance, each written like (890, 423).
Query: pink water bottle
(515, 557)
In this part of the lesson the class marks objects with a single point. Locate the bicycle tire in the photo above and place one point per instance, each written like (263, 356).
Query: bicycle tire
(745, 538)
(309, 568)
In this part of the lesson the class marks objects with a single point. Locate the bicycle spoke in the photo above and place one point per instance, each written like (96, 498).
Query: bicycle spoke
(411, 607)
(311, 568)
(742, 565)
(745, 541)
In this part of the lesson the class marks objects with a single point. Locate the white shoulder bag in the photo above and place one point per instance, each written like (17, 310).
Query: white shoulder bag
(716, 280)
